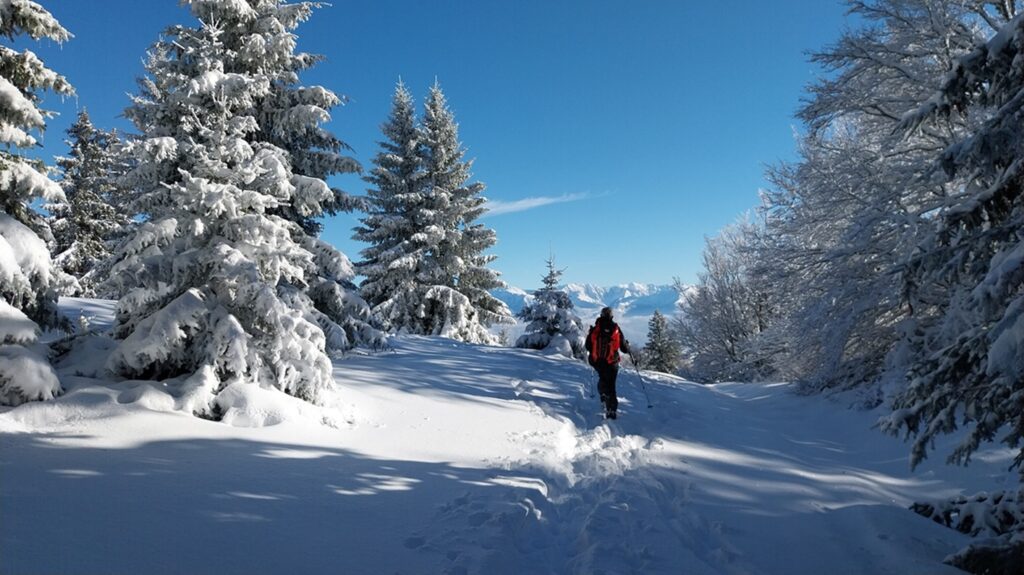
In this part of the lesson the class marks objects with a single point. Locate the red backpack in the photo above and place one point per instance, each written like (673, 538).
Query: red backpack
(604, 343)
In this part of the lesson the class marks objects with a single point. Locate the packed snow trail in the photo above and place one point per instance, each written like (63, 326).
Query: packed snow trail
(441, 457)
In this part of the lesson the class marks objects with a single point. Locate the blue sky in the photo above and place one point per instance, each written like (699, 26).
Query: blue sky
(615, 134)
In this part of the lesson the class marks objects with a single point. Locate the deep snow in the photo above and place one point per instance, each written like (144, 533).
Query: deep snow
(440, 457)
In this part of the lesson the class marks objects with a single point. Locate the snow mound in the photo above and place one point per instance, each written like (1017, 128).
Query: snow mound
(597, 454)
(24, 256)
(146, 395)
(25, 376)
(248, 405)
(163, 336)
(15, 327)
(559, 345)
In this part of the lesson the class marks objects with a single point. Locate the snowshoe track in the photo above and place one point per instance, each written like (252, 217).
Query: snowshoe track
(576, 489)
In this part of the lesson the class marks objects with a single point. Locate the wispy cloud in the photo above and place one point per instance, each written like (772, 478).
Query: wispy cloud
(498, 207)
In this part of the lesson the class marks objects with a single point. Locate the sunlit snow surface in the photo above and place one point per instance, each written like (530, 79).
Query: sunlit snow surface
(440, 457)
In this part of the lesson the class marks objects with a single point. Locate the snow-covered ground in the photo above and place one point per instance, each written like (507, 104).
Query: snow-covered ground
(440, 457)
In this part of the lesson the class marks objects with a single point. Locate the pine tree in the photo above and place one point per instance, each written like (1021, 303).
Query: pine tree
(425, 268)
(393, 264)
(122, 195)
(662, 352)
(217, 278)
(84, 225)
(291, 117)
(459, 304)
(27, 275)
(964, 340)
(551, 320)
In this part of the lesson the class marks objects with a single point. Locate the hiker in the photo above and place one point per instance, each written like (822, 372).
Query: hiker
(604, 341)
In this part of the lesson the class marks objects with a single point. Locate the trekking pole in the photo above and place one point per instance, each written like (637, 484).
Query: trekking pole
(642, 384)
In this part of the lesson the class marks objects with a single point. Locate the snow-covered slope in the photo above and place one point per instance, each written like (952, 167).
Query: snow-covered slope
(440, 457)
(634, 303)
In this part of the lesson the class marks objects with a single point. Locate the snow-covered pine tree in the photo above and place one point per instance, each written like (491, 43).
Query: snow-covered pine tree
(27, 275)
(85, 223)
(122, 162)
(459, 303)
(121, 196)
(966, 342)
(552, 323)
(662, 352)
(291, 117)
(425, 267)
(394, 262)
(216, 276)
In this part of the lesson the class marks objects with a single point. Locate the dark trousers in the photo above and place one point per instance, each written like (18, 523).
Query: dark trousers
(607, 374)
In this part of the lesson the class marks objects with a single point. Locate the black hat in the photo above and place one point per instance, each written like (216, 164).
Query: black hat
(606, 312)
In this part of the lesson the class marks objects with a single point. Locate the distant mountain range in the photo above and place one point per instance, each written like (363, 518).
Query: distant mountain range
(634, 304)
(628, 299)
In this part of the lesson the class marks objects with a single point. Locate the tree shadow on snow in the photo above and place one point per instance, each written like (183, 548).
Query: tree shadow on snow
(218, 506)
(437, 366)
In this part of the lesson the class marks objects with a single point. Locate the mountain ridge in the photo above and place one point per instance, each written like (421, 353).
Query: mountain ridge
(633, 303)
(632, 297)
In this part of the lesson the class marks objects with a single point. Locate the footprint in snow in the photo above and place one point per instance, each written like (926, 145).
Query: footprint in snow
(414, 542)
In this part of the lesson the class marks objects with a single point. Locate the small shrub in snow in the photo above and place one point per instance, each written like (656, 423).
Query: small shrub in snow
(551, 320)
(24, 374)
